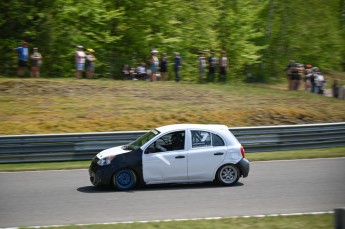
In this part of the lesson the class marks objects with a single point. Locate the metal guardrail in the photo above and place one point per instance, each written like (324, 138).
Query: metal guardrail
(84, 146)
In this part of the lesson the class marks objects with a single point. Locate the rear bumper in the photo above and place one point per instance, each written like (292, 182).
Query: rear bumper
(243, 164)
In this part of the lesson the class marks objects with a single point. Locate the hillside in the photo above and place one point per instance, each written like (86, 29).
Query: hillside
(36, 106)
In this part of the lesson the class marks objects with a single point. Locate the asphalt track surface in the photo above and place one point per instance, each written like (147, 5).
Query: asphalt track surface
(67, 197)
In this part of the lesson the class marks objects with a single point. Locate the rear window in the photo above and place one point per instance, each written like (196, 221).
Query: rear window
(217, 140)
(205, 139)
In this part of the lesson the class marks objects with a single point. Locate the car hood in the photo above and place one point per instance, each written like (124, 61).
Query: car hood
(112, 152)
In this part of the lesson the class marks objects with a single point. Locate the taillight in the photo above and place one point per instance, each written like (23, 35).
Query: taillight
(242, 152)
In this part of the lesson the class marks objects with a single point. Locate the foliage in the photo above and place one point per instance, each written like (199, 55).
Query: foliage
(260, 36)
(306, 31)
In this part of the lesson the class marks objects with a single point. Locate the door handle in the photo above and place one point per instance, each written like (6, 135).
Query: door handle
(218, 154)
(178, 157)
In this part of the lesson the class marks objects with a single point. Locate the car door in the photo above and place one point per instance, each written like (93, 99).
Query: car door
(206, 154)
(165, 160)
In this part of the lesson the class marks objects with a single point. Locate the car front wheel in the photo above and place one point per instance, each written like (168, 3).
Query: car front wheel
(228, 175)
(124, 179)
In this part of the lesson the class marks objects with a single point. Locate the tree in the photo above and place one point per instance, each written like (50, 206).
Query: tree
(238, 34)
(260, 36)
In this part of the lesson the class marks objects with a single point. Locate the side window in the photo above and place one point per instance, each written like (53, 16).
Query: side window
(217, 141)
(203, 139)
(169, 142)
(200, 138)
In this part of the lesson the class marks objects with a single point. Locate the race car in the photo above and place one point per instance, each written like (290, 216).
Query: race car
(179, 153)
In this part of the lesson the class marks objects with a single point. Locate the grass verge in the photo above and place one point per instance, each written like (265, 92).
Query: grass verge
(262, 156)
(39, 106)
(297, 154)
(320, 221)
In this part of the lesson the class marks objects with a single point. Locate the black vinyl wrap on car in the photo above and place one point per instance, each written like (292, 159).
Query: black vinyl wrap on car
(93, 164)
(131, 160)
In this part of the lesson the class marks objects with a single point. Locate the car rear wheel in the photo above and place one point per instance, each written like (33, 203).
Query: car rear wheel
(124, 179)
(228, 175)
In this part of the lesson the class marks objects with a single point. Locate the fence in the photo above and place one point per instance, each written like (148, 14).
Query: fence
(83, 146)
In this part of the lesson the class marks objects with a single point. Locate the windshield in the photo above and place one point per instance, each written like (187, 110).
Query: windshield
(142, 140)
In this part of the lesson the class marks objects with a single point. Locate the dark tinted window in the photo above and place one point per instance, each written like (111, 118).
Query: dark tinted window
(217, 141)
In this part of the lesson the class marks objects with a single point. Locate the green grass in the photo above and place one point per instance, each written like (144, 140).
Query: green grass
(44, 166)
(320, 221)
(38, 106)
(297, 154)
(261, 156)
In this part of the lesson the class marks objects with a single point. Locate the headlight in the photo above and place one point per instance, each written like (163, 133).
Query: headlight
(105, 161)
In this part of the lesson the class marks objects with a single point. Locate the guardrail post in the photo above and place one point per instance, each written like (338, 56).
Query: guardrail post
(339, 218)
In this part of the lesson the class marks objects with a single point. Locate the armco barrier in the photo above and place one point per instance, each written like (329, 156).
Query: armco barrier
(83, 146)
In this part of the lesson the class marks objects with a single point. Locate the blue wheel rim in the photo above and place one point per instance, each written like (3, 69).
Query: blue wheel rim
(124, 179)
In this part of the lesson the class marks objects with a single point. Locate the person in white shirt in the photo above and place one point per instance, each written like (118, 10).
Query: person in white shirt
(79, 61)
(141, 71)
(319, 83)
(202, 66)
(223, 67)
(36, 61)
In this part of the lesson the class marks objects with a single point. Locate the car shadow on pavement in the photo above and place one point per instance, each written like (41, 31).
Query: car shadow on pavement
(160, 187)
(93, 189)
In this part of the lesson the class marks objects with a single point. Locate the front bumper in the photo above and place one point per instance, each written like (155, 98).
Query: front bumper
(100, 175)
(244, 166)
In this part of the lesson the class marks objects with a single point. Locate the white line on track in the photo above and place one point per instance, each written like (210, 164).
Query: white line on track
(172, 220)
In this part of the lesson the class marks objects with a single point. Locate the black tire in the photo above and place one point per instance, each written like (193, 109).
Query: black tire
(124, 179)
(228, 175)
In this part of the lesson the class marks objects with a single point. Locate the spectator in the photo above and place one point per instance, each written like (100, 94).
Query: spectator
(133, 73)
(177, 66)
(148, 69)
(141, 71)
(154, 65)
(306, 78)
(289, 69)
(319, 83)
(212, 66)
(79, 61)
(36, 61)
(335, 89)
(23, 57)
(297, 74)
(164, 66)
(223, 67)
(312, 77)
(125, 72)
(90, 63)
(202, 66)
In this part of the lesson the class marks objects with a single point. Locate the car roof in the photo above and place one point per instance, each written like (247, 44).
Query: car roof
(214, 127)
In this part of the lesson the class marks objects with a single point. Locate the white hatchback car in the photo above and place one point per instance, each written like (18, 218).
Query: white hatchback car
(180, 153)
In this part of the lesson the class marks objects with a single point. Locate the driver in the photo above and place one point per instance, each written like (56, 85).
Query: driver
(177, 141)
